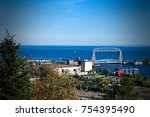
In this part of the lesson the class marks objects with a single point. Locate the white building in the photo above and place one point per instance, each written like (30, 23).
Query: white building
(86, 65)
(68, 69)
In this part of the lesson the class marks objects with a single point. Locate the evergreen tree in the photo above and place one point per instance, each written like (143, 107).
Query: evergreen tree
(14, 73)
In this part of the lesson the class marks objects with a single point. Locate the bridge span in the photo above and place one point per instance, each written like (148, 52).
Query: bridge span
(119, 60)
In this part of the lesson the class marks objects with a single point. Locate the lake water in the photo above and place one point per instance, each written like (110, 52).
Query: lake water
(85, 52)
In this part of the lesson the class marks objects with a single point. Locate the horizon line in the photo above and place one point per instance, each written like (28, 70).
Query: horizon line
(86, 45)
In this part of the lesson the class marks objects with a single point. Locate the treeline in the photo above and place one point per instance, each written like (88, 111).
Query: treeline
(16, 75)
(146, 61)
(120, 88)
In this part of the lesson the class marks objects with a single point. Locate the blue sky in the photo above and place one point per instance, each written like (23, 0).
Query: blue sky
(77, 22)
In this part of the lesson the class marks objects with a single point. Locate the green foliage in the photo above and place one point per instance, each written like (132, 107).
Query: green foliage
(52, 86)
(147, 61)
(122, 90)
(14, 74)
(92, 71)
(106, 72)
(87, 84)
(99, 71)
(140, 81)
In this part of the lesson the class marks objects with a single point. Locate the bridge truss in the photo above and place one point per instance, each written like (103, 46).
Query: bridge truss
(120, 58)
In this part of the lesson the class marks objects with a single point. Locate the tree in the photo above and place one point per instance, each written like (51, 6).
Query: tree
(14, 73)
(52, 86)
(122, 90)
(106, 72)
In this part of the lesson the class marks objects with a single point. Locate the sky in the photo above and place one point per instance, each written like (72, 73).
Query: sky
(77, 22)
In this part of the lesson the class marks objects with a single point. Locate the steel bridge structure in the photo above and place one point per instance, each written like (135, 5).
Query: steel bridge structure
(119, 60)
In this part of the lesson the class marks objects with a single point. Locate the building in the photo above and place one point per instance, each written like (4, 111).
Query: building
(138, 62)
(131, 71)
(86, 65)
(72, 62)
(69, 69)
(119, 72)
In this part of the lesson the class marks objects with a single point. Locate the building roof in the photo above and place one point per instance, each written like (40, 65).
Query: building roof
(65, 66)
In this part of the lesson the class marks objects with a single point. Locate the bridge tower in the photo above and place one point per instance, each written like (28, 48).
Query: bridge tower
(120, 56)
(93, 57)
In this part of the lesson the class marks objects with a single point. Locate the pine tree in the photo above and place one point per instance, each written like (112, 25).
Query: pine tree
(14, 73)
